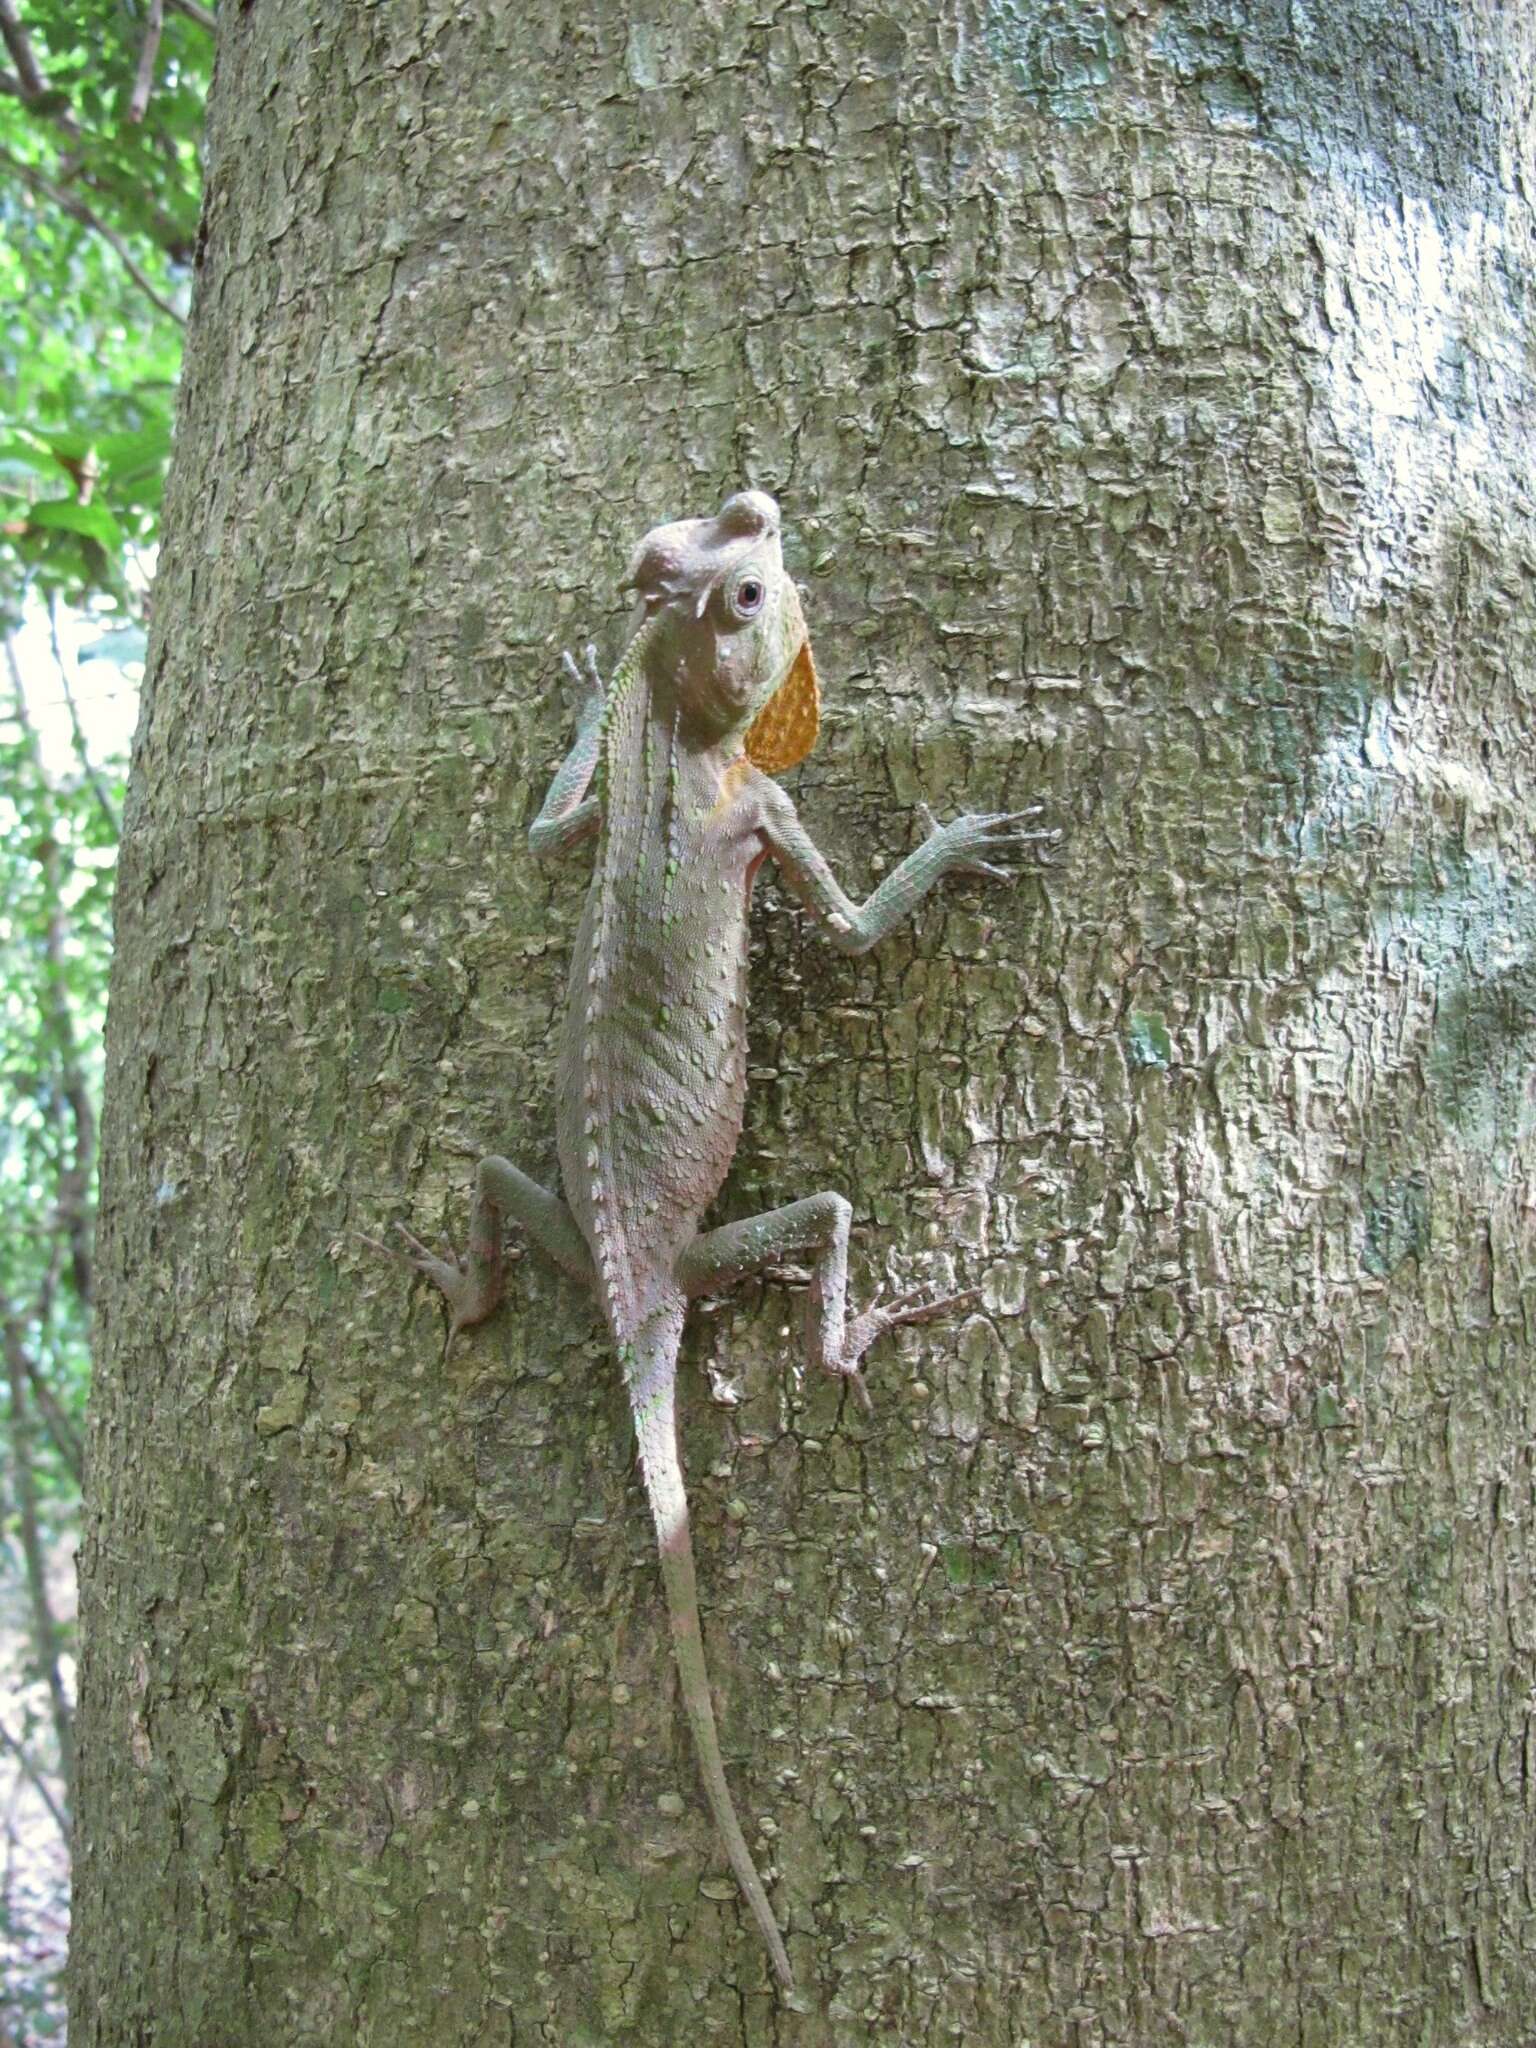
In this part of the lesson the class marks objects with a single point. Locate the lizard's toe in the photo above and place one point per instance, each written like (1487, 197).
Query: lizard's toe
(916, 1306)
(855, 1380)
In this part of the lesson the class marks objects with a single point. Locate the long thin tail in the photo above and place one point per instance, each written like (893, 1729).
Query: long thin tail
(650, 1370)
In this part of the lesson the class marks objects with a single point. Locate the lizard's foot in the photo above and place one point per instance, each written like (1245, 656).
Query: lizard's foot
(788, 1276)
(585, 683)
(917, 1306)
(965, 842)
(462, 1282)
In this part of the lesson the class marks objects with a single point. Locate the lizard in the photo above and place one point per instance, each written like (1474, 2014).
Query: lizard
(672, 772)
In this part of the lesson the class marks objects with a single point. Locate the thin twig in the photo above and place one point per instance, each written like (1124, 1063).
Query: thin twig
(98, 787)
(73, 1210)
(32, 1772)
(28, 84)
(18, 686)
(33, 85)
(193, 12)
(66, 1440)
(50, 103)
(72, 1218)
(53, 105)
(65, 1437)
(46, 1643)
(144, 80)
(161, 227)
(78, 210)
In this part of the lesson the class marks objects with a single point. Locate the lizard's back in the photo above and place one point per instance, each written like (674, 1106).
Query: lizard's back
(653, 1049)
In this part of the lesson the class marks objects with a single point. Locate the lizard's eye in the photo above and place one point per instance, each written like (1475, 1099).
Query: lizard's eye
(747, 597)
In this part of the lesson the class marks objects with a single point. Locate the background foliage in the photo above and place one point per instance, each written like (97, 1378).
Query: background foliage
(100, 177)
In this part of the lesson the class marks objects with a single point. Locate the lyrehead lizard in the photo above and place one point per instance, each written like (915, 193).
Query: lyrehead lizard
(672, 773)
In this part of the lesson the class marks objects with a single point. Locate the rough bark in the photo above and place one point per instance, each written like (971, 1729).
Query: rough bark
(1149, 392)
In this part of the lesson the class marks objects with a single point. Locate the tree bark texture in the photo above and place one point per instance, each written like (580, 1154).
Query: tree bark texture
(1149, 391)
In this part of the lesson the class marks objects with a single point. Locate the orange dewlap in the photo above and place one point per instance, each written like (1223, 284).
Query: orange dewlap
(785, 730)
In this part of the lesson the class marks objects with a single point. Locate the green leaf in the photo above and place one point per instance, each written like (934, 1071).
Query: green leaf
(94, 521)
(129, 454)
(30, 450)
(70, 446)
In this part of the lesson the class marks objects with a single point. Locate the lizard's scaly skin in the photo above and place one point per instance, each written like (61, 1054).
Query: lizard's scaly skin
(654, 1054)
(652, 1068)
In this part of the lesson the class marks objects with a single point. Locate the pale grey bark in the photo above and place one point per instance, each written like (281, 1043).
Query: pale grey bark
(1149, 392)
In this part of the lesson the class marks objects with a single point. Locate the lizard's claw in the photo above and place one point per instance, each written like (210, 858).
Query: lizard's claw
(916, 1306)
(586, 681)
(969, 845)
(377, 1244)
(964, 843)
(855, 1380)
(455, 1279)
(788, 1276)
(443, 1266)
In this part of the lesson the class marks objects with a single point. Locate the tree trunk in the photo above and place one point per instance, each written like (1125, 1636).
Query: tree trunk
(1148, 397)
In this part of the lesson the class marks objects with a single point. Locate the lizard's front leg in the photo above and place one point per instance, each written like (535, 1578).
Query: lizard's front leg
(569, 814)
(969, 845)
(472, 1281)
(817, 1225)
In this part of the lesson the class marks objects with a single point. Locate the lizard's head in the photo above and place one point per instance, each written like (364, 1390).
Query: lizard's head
(730, 642)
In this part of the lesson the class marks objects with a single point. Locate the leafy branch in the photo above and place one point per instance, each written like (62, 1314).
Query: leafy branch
(144, 77)
(28, 83)
(76, 208)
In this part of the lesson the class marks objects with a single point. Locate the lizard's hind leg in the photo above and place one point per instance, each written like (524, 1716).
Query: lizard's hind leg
(817, 1225)
(472, 1281)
